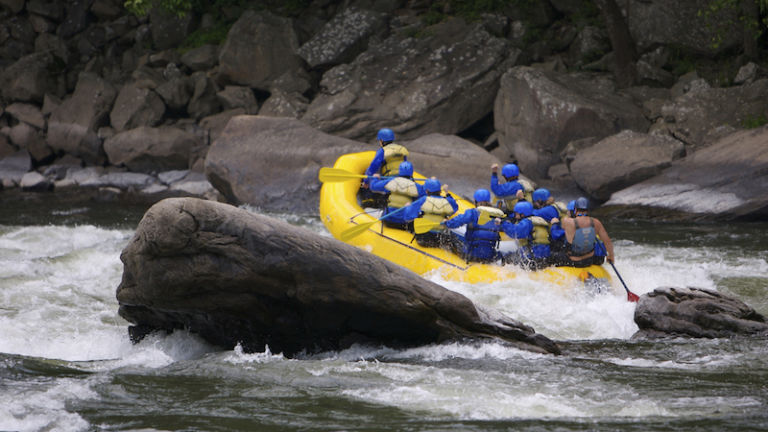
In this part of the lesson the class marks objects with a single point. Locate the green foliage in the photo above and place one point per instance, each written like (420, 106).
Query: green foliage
(752, 122)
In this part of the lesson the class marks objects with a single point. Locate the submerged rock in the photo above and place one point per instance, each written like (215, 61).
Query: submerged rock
(695, 312)
(236, 277)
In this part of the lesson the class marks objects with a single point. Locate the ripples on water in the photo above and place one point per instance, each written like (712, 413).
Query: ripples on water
(66, 363)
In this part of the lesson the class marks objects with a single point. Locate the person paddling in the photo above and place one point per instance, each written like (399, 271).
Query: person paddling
(481, 240)
(433, 208)
(386, 162)
(587, 241)
(400, 192)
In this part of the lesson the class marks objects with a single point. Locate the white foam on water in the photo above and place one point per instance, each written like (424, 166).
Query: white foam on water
(57, 301)
(30, 408)
(471, 394)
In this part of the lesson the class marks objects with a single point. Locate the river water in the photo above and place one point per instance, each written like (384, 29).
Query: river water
(66, 363)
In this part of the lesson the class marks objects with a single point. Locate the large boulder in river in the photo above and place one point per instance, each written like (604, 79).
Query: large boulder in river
(236, 277)
(538, 112)
(696, 312)
(726, 180)
(272, 162)
(444, 81)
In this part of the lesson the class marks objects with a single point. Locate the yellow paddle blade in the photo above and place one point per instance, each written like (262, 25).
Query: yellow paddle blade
(332, 175)
(483, 218)
(356, 230)
(421, 225)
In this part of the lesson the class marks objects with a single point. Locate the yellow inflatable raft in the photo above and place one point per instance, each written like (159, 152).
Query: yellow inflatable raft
(340, 211)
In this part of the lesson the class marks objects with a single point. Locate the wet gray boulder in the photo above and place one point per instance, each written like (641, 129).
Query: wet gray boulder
(31, 77)
(695, 116)
(232, 277)
(260, 47)
(684, 24)
(343, 37)
(273, 162)
(622, 160)
(73, 125)
(695, 312)
(148, 149)
(136, 106)
(442, 81)
(724, 181)
(538, 112)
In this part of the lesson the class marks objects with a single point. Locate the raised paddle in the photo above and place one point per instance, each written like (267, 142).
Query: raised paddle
(363, 227)
(632, 297)
(336, 175)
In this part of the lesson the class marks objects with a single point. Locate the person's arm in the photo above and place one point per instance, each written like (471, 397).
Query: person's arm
(495, 186)
(413, 209)
(376, 163)
(605, 239)
(518, 230)
(452, 202)
(378, 185)
(468, 216)
(569, 226)
(421, 190)
(556, 231)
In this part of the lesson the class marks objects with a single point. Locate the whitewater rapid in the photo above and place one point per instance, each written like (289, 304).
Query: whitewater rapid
(58, 308)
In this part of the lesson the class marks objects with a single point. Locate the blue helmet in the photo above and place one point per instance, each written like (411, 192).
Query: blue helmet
(524, 208)
(510, 170)
(405, 169)
(385, 135)
(571, 205)
(582, 203)
(541, 194)
(432, 185)
(482, 195)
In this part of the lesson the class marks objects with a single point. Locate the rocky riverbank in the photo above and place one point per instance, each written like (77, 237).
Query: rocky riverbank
(94, 97)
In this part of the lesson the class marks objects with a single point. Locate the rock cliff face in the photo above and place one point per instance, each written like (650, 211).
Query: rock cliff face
(236, 277)
(87, 85)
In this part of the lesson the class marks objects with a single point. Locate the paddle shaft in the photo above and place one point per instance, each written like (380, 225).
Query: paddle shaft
(630, 295)
(334, 175)
(363, 227)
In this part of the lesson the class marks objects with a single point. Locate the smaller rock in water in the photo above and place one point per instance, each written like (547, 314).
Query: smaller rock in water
(695, 312)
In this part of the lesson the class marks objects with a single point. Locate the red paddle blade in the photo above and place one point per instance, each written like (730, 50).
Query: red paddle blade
(632, 297)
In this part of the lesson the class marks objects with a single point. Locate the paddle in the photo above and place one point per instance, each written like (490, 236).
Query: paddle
(336, 175)
(631, 297)
(333, 175)
(421, 225)
(363, 227)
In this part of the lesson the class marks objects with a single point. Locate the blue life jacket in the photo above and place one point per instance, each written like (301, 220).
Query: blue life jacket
(481, 241)
(584, 239)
